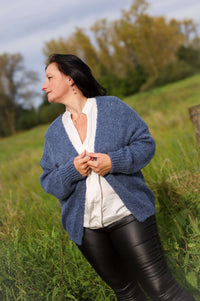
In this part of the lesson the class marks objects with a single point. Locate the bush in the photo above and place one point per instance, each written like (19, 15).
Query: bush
(133, 80)
(189, 55)
(174, 72)
(123, 86)
(49, 113)
(26, 120)
(110, 82)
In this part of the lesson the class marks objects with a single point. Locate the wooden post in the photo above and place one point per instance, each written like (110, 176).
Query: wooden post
(195, 117)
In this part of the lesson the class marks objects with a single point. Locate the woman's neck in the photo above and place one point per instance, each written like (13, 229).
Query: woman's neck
(76, 105)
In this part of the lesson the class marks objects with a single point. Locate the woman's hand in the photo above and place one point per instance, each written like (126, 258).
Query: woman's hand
(81, 164)
(99, 163)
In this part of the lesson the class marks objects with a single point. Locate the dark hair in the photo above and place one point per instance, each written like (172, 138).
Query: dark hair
(81, 74)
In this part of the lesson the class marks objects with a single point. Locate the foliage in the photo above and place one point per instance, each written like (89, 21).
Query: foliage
(174, 72)
(49, 112)
(189, 55)
(26, 119)
(136, 39)
(129, 84)
(134, 53)
(133, 80)
(110, 81)
(16, 86)
(38, 262)
(78, 43)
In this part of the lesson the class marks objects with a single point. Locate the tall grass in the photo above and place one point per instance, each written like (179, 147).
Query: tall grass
(39, 262)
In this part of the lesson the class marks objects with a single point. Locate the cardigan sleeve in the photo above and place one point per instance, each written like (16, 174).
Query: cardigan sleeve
(58, 180)
(139, 150)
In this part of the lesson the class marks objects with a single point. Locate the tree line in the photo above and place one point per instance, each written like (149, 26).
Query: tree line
(134, 53)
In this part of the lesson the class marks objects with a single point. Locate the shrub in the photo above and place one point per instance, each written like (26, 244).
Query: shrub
(49, 113)
(133, 80)
(174, 72)
(26, 120)
(123, 86)
(189, 55)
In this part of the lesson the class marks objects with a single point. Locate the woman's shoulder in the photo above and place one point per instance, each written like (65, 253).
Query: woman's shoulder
(113, 106)
(108, 98)
(111, 100)
(113, 103)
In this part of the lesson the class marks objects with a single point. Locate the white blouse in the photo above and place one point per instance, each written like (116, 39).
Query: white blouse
(102, 205)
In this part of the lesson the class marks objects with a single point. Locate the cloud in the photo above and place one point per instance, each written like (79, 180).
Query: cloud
(26, 25)
(23, 18)
(178, 9)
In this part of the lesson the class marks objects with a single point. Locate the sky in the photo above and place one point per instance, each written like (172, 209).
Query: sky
(25, 25)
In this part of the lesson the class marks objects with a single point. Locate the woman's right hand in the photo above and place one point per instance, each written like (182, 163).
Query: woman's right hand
(81, 164)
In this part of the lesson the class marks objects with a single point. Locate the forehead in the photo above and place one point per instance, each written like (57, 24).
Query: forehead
(52, 68)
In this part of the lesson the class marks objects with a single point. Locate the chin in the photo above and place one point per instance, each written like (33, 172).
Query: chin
(51, 100)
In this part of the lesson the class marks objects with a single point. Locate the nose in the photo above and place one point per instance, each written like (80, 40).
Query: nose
(44, 87)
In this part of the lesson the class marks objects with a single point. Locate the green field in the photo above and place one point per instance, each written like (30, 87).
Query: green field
(39, 262)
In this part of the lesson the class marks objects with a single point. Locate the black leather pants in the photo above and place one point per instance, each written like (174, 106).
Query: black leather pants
(128, 255)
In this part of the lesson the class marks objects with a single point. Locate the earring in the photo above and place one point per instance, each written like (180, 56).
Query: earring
(73, 89)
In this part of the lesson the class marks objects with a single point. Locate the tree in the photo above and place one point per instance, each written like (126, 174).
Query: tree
(189, 29)
(196, 42)
(190, 55)
(138, 39)
(115, 40)
(148, 41)
(102, 32)
(124, 47)
(16, 90)
(79, 44)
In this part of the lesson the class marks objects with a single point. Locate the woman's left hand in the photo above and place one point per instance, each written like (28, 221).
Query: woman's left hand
(99, 163)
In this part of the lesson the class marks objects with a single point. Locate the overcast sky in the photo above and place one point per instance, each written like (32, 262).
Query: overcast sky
(26, 24)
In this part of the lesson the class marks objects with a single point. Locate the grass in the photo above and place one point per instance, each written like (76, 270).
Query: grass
(39, 262)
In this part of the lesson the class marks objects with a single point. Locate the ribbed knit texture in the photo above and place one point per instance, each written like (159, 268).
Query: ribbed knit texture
(125, 137)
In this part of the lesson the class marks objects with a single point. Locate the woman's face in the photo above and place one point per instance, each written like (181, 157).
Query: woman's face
(56, 84)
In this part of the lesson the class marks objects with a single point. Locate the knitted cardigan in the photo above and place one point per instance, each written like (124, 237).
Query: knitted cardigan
(121, 134)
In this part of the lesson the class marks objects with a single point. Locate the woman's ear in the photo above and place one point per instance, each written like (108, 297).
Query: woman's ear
(71, 81)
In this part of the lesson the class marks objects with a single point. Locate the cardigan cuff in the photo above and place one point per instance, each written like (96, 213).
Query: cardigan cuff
(68, 171)
(119, 164)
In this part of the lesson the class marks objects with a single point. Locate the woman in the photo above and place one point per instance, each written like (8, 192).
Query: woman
(92, 161)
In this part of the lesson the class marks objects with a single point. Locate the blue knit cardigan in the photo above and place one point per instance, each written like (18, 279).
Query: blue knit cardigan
(121, 134)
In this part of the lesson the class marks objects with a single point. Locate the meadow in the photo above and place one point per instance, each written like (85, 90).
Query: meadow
(39, 262)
